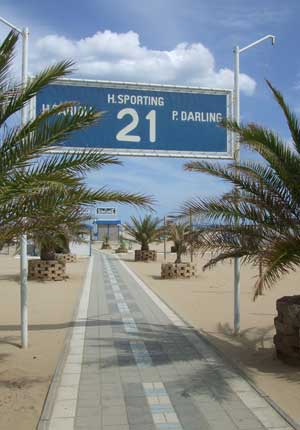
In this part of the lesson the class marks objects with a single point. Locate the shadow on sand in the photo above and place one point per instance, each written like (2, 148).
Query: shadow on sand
(253, 351)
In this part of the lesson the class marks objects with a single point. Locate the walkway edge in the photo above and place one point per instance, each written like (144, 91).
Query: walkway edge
(49, 402)
(180, 322)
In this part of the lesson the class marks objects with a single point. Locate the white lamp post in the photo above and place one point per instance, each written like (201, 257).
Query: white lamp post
(237, 51)
(23, 242)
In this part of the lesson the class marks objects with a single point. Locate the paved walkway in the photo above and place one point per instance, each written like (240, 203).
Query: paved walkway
(133, 364)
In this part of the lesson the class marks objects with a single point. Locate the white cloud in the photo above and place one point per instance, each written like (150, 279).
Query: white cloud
(120, 56)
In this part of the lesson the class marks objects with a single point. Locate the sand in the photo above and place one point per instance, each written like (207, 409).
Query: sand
(207, 304)
(25, 375)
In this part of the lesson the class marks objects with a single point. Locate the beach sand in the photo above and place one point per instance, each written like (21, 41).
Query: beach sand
(25, 375)
(206, 303)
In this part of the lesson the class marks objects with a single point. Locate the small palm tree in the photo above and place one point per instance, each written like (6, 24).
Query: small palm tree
(53, 232)
(144, 230)
(178, 233)
(122, 244)
(106, 244)
(262, 225)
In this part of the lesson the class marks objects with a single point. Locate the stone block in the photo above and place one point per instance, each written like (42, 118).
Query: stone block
(145, 255)
(287, 324)
(178, 270)
(66, 258)
(48, 270)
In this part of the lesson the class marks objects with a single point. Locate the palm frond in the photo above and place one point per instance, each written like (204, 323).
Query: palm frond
(291, 118)
(59, 130)
(144, 230)
(259, 220)
(16, 97)
(281, 257)
(37, 188)
(70, 163)
(7, 49)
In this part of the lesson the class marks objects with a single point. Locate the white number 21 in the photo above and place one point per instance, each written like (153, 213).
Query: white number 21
(124, 136)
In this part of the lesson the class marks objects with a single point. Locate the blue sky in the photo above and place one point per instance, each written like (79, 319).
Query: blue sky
(144, 32)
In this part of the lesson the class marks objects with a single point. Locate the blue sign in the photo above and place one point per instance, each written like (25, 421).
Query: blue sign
(148, 120)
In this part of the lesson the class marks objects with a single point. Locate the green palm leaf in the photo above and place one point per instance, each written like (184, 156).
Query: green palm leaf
(259, 221)
(36, 185)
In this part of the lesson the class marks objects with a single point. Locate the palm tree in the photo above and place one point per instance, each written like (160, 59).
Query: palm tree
(144, 230)
(52, 232)
(28, 177)
(122, 245)
(262, 225)
(178, 233)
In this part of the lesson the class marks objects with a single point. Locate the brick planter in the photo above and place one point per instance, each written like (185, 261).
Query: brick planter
(51, 270)
(66, 258)
(287, 324)
(145, 255)
(178, 270)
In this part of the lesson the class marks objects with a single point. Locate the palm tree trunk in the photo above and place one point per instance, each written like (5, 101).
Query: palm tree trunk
(47, 253)
(145, 247)
(260, 271)
(178, 256)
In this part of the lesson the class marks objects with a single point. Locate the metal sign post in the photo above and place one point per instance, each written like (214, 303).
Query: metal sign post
(237, 270)
(23, 244)
(191, 232)
(23, 240)
(165, 243)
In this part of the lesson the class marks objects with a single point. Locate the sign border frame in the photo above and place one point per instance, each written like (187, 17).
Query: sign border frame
(228, 155)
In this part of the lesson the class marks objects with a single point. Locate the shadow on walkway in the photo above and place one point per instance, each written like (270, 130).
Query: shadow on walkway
(170, 352)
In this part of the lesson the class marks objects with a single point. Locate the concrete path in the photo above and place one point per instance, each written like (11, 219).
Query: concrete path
(132, 364)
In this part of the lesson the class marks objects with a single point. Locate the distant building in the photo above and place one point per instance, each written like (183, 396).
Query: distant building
(107, 228)
(104, 222)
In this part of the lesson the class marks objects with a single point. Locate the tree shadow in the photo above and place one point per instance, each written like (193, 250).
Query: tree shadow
(253, 350)
(13, 277)
(56, 326)
(20, 383)
(4, 356)
(128, 260)
(171, 353)
(10, 340)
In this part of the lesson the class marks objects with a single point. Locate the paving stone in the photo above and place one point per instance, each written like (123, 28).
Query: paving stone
(114, 410)
(139, 402)
(252, 400)
(88, 412)
(112, 401)
(110, 396)
(268, 417)
(138, 415)
(89, 402)
(116, 427)
(224, 425)
(145, 427)
(88, 422)
(61, 424)
(133, 390)
(110, 420)
(86, 390)
(64, 409)
(91, 426)
(67, 393)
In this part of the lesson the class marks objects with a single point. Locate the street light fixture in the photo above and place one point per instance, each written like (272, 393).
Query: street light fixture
(23, 241)
(237, 51)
